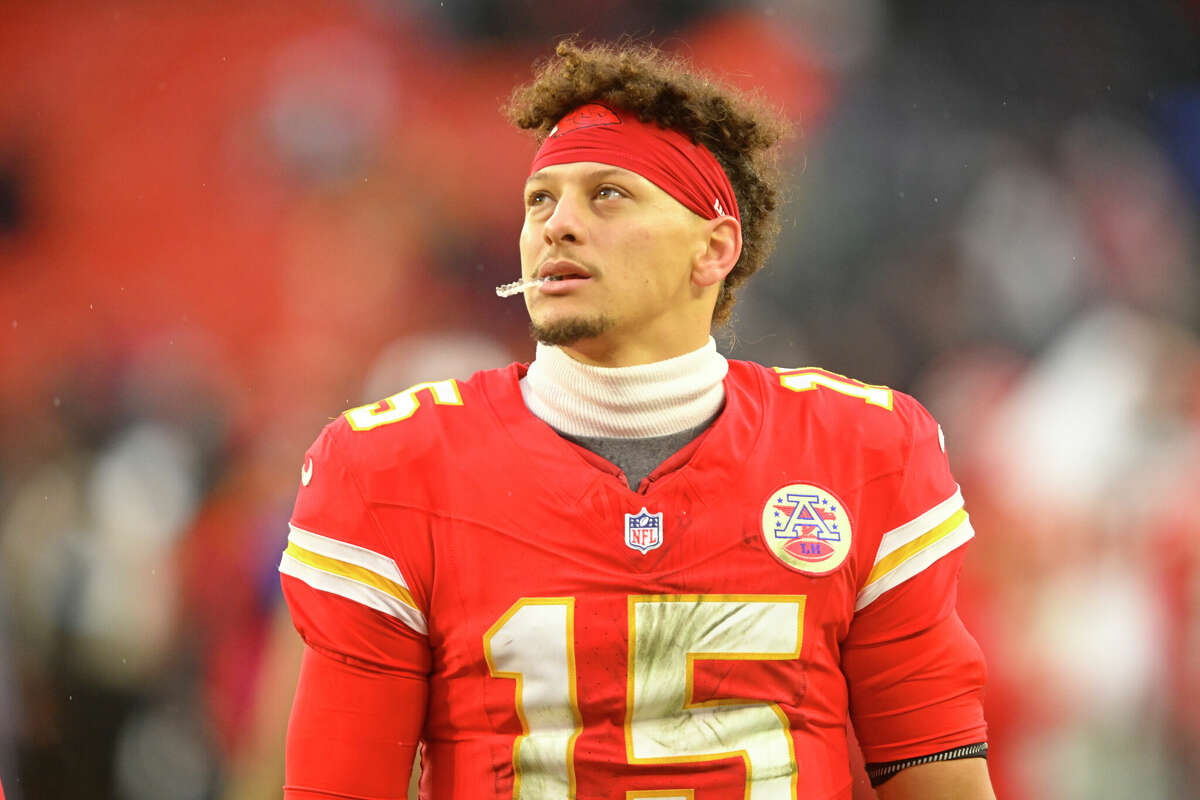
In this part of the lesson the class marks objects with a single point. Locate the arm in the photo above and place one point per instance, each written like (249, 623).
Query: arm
(361, 696)
(916, 678)
(964, 779)
(918, 697)
(915, 674)
(353, 731)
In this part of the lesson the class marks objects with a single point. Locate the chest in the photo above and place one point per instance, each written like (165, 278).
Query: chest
(702, 587)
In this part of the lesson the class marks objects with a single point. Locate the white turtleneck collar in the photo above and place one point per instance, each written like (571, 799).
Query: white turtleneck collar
(637, 402)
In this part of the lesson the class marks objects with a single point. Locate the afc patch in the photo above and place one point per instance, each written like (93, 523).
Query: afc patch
(806, 528)
(643, 531)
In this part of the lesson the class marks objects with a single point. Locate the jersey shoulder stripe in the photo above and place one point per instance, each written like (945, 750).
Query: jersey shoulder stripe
(907, 550)
(353, 572)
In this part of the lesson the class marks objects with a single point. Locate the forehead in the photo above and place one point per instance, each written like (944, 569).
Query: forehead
(584, 171)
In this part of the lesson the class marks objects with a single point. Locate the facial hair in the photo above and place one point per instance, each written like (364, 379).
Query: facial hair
(566, 332)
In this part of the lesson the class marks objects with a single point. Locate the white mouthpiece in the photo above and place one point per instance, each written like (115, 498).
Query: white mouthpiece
(516, 287)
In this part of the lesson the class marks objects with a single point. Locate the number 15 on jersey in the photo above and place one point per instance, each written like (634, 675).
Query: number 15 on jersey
(533, 644)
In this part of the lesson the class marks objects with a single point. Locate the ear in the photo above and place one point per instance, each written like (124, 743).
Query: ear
(719, 252)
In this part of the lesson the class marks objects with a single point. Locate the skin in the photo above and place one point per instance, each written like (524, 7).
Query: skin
(655, 267)
(655, 270)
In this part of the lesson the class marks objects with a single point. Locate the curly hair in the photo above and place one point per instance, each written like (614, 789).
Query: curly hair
(739, 130)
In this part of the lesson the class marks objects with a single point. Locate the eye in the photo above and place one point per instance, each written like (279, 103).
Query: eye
(608, 192)
(536, 198)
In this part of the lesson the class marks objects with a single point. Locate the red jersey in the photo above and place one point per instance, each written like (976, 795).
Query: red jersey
(706, 636)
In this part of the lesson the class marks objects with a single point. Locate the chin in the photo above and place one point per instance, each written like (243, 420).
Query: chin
(569, 330)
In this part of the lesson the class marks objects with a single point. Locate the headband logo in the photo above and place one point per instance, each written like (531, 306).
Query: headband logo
(586, 116)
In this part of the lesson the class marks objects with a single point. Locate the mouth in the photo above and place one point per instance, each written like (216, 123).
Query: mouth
(561, 270)
(561, 277)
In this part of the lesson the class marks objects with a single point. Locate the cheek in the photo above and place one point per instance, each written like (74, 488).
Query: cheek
(644, 252)
(662, 259)
(527, 243)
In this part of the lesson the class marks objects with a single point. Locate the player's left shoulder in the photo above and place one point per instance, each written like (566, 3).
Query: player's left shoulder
(848, 408)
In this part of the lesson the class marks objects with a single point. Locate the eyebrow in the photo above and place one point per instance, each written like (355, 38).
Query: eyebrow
(599, 172)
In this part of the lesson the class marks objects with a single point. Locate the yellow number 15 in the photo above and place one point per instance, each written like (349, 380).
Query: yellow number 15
(533, 643)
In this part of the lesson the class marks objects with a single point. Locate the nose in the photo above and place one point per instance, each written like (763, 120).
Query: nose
(565, 223)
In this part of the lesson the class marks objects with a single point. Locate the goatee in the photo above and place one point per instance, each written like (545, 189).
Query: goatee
(566, 332)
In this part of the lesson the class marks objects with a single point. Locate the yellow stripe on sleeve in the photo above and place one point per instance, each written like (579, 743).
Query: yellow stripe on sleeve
(352, 572)
(902, 554)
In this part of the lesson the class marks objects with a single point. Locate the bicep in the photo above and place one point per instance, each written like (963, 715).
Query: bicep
(353, 730)
(963, 779)
(914, 672)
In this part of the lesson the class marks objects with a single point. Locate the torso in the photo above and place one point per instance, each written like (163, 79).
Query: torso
(578, 651)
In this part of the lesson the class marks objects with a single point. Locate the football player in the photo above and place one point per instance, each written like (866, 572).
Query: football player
(634, 568)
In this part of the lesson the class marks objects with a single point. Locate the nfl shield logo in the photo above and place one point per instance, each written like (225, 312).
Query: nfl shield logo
(643, 531)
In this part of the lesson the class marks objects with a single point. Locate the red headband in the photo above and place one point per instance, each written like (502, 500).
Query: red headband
(665, 157)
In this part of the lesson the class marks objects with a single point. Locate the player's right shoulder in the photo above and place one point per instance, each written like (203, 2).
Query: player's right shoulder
(398, 449)
(418, 422)
(359, 528)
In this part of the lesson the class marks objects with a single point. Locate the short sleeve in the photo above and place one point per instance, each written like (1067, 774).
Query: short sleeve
(347, 594)
(914, 672)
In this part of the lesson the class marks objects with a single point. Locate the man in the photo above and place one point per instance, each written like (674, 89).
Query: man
(633, 568)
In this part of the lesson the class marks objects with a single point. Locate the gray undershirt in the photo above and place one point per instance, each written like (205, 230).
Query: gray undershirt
(637, 458)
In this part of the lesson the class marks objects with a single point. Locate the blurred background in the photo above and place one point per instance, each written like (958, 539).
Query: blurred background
(223, 223)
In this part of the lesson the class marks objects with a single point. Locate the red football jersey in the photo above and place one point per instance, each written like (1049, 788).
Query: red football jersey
(705, 637)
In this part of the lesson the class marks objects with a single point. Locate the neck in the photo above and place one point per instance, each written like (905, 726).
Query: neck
(639, 401)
